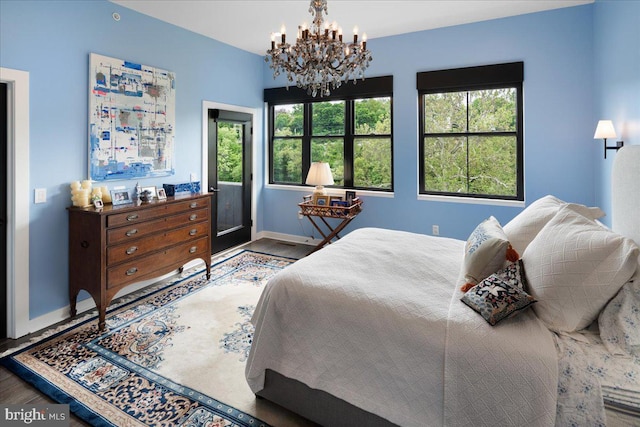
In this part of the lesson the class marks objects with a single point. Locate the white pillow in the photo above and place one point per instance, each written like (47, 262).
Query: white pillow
(485, 251)
(522, 229)
(574, 267)
(619, 322)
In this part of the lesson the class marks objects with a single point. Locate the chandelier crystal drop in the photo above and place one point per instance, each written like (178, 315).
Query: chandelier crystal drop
(319, 61)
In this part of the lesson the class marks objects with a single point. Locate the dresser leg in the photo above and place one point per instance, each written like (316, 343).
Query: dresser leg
(101, 319)
(72, 304)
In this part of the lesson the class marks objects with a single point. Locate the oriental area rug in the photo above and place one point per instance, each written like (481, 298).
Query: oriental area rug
(173, 356)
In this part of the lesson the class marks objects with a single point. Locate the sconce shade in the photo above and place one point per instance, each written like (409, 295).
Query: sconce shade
(604, 130)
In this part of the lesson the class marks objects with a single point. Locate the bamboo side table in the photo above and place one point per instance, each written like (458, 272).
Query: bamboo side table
(344, 213)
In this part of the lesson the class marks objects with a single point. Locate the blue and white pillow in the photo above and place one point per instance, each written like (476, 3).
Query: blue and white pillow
(501, 295)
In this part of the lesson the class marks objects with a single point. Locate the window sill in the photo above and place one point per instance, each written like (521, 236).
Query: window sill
(331, 191)
(471, 200)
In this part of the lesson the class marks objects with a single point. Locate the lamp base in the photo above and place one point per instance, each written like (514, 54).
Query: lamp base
(319, 191)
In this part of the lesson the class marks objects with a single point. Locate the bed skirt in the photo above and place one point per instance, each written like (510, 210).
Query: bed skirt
(316, 405)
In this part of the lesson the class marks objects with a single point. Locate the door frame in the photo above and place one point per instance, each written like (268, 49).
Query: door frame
(257, 124)
(18, 321)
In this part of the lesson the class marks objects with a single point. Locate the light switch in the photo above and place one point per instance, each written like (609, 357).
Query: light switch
(40, 195)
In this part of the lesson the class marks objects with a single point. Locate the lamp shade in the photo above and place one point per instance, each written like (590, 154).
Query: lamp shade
(604, 130)
(319, 174)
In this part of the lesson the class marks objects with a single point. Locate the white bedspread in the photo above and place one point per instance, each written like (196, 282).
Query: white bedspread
(375, 319)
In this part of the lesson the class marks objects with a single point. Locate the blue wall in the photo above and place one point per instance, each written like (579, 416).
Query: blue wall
(617, 84)
(570, 82)
(557, 50)
(52, 41)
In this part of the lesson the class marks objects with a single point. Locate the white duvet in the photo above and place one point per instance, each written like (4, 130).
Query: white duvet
(376, 320)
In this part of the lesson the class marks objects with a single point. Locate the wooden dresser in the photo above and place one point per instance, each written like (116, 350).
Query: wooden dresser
(117, 246)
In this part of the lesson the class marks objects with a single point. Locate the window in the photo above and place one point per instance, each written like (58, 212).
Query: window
(471, 141)
(351, 130)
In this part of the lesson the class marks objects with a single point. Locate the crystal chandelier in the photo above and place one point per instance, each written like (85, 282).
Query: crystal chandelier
(320, 60)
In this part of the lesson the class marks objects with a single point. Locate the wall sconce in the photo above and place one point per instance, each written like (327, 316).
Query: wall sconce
(605, 130)
(319, 175)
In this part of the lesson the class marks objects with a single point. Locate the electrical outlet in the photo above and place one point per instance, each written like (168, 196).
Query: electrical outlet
(299, 215)
(435, 230)
(40, 195)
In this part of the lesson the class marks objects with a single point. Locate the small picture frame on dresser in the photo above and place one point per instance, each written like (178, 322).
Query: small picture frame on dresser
(162, 194)
(121, 197)
(98, 204)
(152, 191)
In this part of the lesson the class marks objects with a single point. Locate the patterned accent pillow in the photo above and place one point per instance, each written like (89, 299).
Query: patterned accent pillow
(619, 322)
(485, 251)
(500, 295)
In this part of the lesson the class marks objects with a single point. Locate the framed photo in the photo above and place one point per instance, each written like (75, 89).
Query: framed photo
(152, 191)
(349, 196)
(98, 204)
(162, 195)
(334, 198)
(321, 200)
(121, 197)
(307, 198)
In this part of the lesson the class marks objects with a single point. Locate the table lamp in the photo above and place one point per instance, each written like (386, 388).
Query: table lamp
(319, 175)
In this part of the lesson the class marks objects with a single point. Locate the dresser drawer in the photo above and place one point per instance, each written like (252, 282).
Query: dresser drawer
(142, 229)
(140, 247)
(159, 210)
(148, 266)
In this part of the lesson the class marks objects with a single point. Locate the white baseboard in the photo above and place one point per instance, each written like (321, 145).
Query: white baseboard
(288, 238)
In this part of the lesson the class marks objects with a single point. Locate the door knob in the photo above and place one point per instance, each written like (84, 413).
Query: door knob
(214, 190)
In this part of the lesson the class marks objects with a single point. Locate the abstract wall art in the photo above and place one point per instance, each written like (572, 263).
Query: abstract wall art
(131, 120)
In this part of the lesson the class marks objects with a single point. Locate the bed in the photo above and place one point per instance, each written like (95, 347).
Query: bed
(375, 329)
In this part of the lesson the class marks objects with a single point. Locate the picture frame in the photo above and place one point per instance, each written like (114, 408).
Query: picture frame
(152, 191)
(161, 194)
(350, 196)
(334, 198)
(307, 198)
(98, 204)
(321, 200)
(121, 197)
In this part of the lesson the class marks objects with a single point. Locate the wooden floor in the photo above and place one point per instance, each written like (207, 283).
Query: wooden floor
(13, 390)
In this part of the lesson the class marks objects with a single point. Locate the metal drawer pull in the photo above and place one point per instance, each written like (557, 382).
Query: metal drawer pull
(132, 217)
(193, 232)
(193, 205)
(193, 249)
(131, 232)
(131, 250)
(193, 217)
(132, 271)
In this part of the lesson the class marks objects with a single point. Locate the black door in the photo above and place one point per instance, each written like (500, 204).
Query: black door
(4, 138)
(229, 177)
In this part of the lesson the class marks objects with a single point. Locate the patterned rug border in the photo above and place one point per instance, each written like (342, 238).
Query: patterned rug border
(81, 410)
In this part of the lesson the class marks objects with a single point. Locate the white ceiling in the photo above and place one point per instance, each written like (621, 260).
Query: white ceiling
(248, 24)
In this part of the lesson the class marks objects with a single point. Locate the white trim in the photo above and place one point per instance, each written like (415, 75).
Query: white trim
(288, 238)
(257, 119)
(331, 191)
(471, 200)
(18, 203)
